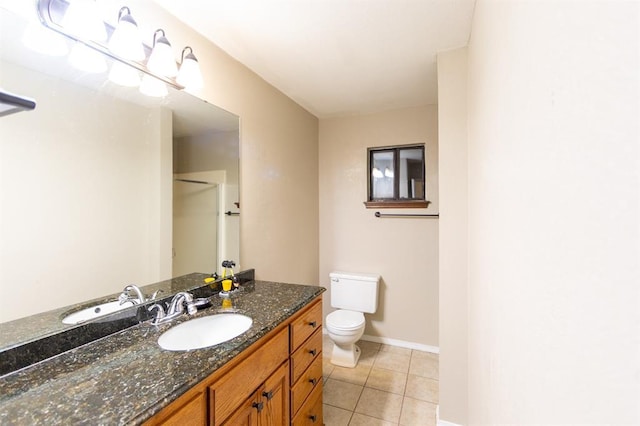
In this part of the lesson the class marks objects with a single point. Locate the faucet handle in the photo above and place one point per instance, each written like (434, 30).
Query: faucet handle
(191, 308)
(159, 312)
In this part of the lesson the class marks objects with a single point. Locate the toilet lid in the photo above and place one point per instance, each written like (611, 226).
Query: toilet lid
(345, 320)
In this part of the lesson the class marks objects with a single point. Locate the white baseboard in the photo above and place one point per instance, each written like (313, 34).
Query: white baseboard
(402, 343)
(395, 342)
(446, 423)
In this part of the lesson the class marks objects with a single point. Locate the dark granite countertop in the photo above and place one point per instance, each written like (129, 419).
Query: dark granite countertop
(126, 378)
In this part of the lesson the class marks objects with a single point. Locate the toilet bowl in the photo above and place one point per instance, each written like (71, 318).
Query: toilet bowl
(345, 328)
(352, 294)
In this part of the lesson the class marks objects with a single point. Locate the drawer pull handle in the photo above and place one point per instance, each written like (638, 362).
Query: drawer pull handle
(258, 406)
(313, 352)
(313, 381)
(313, 324)
(267, 395)
(313, 418)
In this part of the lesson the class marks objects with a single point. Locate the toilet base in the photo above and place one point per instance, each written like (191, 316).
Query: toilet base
(345, 356)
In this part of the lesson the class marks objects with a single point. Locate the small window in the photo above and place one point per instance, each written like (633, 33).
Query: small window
(396, 177)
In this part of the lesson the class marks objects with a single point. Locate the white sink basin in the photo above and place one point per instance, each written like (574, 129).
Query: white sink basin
(203, 332)
(95, 312)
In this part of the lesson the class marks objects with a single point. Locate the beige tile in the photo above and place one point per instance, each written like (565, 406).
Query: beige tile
(395, 349)
(418, 413)
(422, 388)
(365, 344)
(361, 420)
(341, 394)
(367, 356)
(387, 380)
(392, 361)
(327, 368)
(379, 404)
(422, 354)
(425, 367)
(357, 375)
(334, 416)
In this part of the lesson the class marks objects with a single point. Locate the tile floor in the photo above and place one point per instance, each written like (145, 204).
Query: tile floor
(389, 386)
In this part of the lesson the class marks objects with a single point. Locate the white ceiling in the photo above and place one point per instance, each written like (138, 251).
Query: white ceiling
(336, 57)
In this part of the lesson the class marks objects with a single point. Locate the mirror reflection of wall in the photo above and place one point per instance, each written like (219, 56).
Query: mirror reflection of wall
(205, 165)
(86, 180)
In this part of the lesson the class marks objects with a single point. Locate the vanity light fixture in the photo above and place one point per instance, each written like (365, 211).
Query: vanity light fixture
(125, 40)
(376, 173)
(388, 172)
(161, 60)
(82, 19)
(190, 75)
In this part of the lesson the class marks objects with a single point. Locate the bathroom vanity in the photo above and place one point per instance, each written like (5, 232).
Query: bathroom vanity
(271, 374)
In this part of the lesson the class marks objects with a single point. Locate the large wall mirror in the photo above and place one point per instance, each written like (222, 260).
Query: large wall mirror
(102, 186)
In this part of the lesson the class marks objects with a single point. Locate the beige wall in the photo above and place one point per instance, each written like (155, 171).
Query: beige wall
(452, 130)
(403, 251)
(554, 234)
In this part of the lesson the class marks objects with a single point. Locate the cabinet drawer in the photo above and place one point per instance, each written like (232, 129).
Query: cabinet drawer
(237, 385)
(311, 412)
(305, 325)
(304, 356)
(308, 381)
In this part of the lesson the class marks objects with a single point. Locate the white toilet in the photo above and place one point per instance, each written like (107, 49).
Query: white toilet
(352, 294)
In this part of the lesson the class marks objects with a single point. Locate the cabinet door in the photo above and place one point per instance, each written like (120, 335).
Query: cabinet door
(246, 414)
(275, 396)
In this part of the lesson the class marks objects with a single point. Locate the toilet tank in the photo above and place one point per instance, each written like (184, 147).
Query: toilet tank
(355, 292)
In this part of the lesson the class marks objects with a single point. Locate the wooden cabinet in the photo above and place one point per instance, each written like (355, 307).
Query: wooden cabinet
(306, 366)
(238, 385)
(277, 381)
(268, 406)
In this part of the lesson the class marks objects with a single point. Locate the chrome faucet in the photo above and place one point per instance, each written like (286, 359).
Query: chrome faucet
(126, 297)
(175, 309)
(179, 301)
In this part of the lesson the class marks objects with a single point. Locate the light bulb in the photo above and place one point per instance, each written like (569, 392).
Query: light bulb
(376, 173)
(83, 19)
(190, 75)
(161, 60)
(388, 172)
(125, 40)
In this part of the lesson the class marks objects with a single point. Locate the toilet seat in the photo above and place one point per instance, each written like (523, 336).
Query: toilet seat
(344, 320)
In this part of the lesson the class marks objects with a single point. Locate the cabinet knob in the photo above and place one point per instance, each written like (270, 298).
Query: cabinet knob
(313, 381)
(267, 395)
(258, 406)
(313, 324)
(313, 418)
(313, 352)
